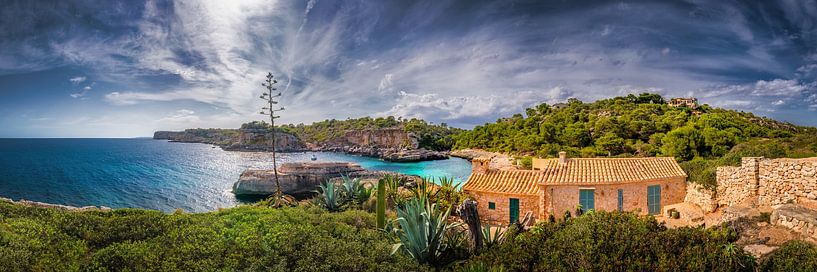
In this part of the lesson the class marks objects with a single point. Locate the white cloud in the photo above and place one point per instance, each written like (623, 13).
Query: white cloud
(463, 110)
(77, 80)
(82, 93)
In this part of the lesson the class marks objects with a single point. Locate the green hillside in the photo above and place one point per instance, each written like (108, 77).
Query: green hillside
(643, 125)
(430, 136)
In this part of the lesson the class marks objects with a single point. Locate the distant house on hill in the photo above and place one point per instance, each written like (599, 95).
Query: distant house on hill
(558, 185)
(559, 106)
(683, 102)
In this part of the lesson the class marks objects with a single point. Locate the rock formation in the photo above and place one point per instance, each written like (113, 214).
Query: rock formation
(300, 179)
(391, 144)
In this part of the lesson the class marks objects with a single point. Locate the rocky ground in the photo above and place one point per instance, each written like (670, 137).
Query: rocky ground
(758, 235)
(56, 206)
(498, 160)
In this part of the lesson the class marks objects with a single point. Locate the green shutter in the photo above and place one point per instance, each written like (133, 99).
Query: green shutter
(654, 199)
(514, 211)
(491, 206)
(587, 199)
(620, 200)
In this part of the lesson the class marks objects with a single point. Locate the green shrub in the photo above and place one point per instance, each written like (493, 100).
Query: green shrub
(605, 241)
(237, 239)
(792, 256)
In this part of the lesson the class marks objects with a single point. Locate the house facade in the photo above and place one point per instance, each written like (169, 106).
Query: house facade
(683, 102)
(555, 186)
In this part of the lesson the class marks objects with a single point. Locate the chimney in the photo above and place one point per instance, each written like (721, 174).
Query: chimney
(562, 157)
(480, 165)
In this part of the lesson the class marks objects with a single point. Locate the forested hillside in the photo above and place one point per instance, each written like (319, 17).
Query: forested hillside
(643, 125)
(430, 136)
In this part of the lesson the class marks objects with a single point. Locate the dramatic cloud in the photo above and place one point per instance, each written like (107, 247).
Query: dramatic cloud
(460, 62)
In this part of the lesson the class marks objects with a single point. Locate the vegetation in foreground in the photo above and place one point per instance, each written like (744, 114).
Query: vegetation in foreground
(238, 239)
(643, 125)
(339, 231)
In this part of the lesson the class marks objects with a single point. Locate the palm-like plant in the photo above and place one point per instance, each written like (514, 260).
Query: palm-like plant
(393, 183)
(422, 229)
(425, 189)
(448, 193)
(491, 238)
(329, 196)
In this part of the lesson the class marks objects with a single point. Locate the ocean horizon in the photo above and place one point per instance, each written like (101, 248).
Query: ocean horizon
(155, 174)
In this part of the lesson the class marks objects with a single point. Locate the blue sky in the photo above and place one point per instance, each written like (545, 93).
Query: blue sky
(127, 68)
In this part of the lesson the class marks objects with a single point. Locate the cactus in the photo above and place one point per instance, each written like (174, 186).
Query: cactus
(381, 203)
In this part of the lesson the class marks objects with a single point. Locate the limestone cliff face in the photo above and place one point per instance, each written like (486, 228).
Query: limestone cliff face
(261, 140)
(395, 138)
(393, 144)
(234, 139)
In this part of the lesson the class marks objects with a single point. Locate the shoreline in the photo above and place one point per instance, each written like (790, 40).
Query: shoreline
(30, 203)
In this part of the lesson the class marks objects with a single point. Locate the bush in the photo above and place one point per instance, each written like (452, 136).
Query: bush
(237, 239)
(792, 256)
(605, 241)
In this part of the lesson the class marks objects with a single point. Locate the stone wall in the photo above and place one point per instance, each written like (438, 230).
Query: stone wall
(702, 197)
(500, 215)
(767, 182)
(787, 181)
(738, 185)
(796, 218)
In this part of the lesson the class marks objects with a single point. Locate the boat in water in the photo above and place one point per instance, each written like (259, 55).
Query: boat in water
(314, 158)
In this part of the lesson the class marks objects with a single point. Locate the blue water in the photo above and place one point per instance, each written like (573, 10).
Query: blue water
(154, 174)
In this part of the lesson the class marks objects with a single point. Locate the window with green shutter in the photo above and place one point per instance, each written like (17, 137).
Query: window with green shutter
(514, 209)
(620, 200)
(587, 199)
(491, 206)
(654, 199)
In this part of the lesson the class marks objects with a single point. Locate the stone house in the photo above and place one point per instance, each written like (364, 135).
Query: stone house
(554, 186)
(683, 102)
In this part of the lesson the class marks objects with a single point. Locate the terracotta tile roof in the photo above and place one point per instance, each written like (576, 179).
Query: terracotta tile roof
(520, 182)
(607, 171)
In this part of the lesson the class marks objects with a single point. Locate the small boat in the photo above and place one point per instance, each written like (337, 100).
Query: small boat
(314, 158)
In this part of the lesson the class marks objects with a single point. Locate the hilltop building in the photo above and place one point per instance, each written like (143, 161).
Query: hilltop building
(554, 186)
(683, 102)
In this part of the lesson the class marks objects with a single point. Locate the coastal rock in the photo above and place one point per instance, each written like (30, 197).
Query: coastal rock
(413, 155)
(56, 206)
(391, 144)
(301, 179)
(235, 139)
(296, 179)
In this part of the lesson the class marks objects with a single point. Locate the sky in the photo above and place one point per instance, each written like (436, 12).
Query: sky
(128, 68)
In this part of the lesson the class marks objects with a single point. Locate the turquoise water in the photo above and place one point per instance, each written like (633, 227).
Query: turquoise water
(154, 174)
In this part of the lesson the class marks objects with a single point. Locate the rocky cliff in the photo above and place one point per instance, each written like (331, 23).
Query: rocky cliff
(302, 179)
(392, 144)
(235, 139)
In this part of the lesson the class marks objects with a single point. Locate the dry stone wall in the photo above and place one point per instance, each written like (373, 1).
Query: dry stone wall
(796, 218)
(738, 185)
(787, 180)
(767, 182)
(701, 196)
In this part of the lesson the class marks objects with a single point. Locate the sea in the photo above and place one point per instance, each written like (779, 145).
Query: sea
(157, 174)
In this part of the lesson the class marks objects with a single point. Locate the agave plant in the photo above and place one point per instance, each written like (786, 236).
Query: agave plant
(363, 194)
(329, 197)
(422, 229)
(350, 188)
(492, 237)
